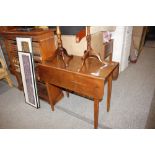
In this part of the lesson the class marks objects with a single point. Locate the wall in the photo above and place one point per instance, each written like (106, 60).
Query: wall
(69, 41)
(94, 29)
(121, 48)
(126, 47)
(122, 36)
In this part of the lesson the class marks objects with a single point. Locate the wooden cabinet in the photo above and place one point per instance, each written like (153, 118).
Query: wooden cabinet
(43, 48)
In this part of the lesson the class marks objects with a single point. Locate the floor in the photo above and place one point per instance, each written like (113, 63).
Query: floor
(132, 103)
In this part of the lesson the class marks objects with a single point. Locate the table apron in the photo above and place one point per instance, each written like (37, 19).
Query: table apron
(85, 85)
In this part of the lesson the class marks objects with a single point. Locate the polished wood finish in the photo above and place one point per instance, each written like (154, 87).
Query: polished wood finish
(89, 82)
(96, 113)
(107, 54)
(43, 48)
(6, 28)
(56, 92)
(90, 52)
(61, 51)
(107, 50)
(109, 92)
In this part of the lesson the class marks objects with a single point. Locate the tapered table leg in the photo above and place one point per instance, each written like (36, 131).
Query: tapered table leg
(96, 113)
(50, 97)
(109, 92)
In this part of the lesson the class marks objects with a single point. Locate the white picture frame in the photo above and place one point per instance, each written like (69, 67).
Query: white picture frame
(28, 73)
(19, 43)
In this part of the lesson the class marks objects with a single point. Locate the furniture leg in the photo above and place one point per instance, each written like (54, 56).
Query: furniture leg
(110, 57)
(96, 113)
(115, 73)
(86, 54)
(109, 92)
(54, 93)
(61, 50)
(50, 97)
(19, 80)
(9, 80)
(67, 93)
(63, 59)
(90, 53)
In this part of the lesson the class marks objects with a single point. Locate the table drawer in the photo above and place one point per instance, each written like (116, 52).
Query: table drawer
(85, 85)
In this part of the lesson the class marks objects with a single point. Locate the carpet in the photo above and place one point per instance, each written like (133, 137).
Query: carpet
(16, 114)
(132, 97)
(150, 124)
(150, 44)
(3, 87)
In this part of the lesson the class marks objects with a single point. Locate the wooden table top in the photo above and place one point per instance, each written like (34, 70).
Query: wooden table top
(92, 67)
(88, 82)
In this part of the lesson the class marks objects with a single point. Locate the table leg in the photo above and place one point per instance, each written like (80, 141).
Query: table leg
(49, 95)
(96, 113)
(67, 93)
(109, 92)
(54, 94)
(19, 80)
